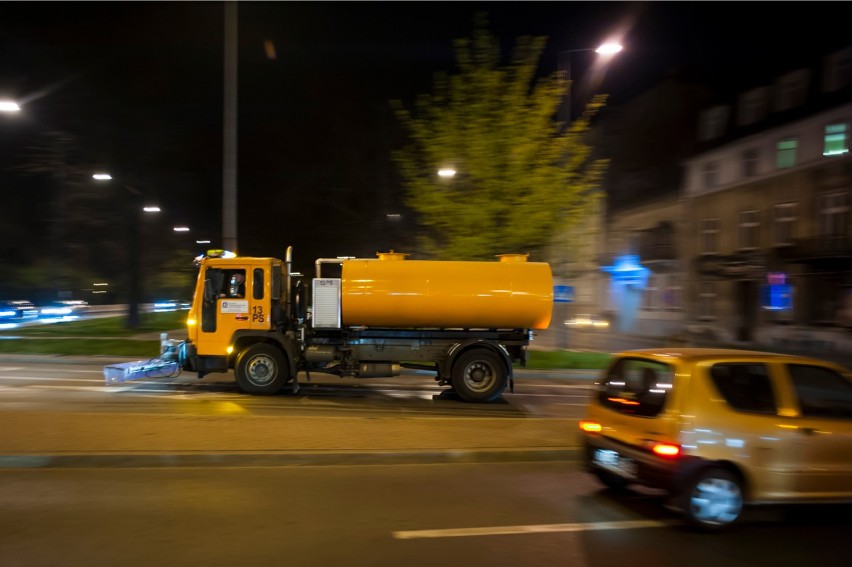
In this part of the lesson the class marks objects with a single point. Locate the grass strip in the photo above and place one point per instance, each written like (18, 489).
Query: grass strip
(82, 347)
(103, 337)
(102, 326)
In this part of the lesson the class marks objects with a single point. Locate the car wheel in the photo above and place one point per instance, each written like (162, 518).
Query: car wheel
(261, 369)
(713, 500)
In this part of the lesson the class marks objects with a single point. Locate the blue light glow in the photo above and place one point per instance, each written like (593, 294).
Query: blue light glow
(627, 270)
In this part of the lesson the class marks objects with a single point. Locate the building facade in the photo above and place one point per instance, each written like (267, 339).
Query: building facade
(769, 251)
(745, 241)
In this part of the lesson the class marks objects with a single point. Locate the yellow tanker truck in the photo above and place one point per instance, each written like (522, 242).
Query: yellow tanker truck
(466, 321)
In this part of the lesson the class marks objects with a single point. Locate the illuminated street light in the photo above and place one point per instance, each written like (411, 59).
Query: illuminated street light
(181, 229)
(151, 209)
(446, 172)
(609, 49)
(604, 50)
(102, 177)
(202, 242)
(9, 106)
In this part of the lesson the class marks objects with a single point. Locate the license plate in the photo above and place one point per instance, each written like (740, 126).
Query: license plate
(612, 461)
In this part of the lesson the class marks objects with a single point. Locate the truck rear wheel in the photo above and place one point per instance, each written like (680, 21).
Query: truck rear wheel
(261, 369)
(479, 375)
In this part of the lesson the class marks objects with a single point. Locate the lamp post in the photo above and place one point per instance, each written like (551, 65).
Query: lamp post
(229, 160)
(604, 50)
(134, 204)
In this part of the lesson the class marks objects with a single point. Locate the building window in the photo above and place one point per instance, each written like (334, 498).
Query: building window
(709, 236)
(672, 295)
(752, 106)
(785, 223)
(749, 230)
(712, 123)
(650, 298)
(707, 301)
(750, 162)
(836, 139)
(791, 90)
(786, 153)
(711, 174)
(833, 210)
(838, 70)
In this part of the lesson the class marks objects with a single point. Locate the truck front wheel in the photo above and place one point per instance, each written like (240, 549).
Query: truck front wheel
(261, 369)
(479, 375)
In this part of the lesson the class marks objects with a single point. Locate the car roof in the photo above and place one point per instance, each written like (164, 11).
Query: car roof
(697, 354)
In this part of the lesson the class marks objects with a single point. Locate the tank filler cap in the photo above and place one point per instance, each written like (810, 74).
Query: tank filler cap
(391, 255)
(513, 257)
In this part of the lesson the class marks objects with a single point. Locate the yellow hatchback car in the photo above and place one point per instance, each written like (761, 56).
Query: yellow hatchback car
(720, 429)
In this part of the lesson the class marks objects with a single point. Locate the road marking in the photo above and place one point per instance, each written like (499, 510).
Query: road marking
(11, 368)
(72, 388)
(49, 379)
(534, 529)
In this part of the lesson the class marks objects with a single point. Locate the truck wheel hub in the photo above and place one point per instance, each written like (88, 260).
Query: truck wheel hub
(261, 370)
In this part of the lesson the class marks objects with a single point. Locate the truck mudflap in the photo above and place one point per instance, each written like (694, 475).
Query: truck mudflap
(136, 370)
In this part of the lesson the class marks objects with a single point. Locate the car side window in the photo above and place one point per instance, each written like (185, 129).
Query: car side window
(822, 392)
(745, 386)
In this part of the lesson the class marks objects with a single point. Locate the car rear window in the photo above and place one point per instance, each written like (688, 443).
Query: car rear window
(745, 386)
(822, 392)
(636, 386)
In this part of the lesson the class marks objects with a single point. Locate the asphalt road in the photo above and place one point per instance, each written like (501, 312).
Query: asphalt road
(182, 471)
(64, 415)
(498, 514)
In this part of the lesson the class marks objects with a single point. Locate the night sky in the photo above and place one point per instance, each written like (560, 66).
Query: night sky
(140, 87)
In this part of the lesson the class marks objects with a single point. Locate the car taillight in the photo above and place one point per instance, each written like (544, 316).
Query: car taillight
(589, 426)
(666, 449)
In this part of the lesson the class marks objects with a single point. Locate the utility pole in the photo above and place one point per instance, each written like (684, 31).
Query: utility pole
(134, 251)
(229, 162)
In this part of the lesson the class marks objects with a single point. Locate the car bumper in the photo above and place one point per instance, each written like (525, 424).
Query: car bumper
(637, 465)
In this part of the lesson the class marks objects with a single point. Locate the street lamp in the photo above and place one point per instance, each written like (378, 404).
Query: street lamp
(605, 50)
(133, 209)
(9, 106)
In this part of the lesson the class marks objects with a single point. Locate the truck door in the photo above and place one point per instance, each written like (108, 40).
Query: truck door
(226, 307)
(259, 305)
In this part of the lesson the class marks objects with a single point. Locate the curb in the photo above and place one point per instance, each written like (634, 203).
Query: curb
(304, 458)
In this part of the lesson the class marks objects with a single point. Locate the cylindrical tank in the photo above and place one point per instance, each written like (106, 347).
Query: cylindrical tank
(394, 292)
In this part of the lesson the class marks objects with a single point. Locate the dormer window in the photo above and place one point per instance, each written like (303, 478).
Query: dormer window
(791, 90)
(752, 106)
(838, 70)
(712, 123)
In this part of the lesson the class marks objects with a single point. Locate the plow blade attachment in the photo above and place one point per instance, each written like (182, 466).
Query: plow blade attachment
(127, 371)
